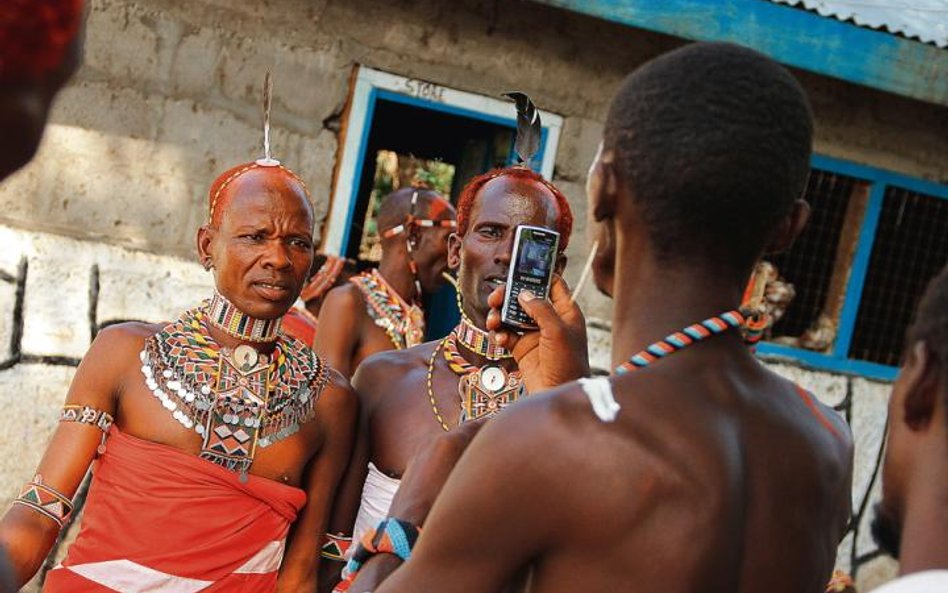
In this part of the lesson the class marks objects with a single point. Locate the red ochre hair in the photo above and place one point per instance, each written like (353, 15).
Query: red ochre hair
(34, 35)
(217, 199)
(564, 215)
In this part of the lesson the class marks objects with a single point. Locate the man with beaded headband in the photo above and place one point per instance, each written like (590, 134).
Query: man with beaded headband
(212, 435)
(412, 396)
(694, 469)
(381, 309)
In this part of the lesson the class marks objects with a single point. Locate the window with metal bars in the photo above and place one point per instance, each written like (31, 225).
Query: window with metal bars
(874, 240)
(837, 204)
(910, 247)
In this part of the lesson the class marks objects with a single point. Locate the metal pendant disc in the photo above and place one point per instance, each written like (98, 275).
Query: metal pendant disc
(493, 379)
(245, 357)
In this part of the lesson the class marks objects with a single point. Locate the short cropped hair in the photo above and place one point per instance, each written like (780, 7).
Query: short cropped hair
(714, 141)
(564, 215)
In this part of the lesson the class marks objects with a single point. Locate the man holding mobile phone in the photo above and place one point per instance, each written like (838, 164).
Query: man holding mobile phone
(411, 397)
(694, 469)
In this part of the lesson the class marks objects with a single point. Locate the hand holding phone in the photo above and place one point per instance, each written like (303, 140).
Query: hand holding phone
(557, 352)
(531, 268)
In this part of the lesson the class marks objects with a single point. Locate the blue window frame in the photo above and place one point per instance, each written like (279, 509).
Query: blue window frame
(839, 357)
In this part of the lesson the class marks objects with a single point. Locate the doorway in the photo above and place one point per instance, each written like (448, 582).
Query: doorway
(401, 130)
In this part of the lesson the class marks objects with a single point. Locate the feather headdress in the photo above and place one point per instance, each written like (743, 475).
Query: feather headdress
(529, 127)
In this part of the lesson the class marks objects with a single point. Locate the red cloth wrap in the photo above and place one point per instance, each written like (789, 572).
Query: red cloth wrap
(301, 325)
(173, 520)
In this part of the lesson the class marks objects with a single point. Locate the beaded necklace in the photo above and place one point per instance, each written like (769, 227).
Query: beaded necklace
(236, 400)
(403, 323)
(483, 391)
(223, 315)
(478, 341)
(672, 343)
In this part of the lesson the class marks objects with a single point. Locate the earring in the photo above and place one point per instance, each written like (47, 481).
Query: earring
(208, 265)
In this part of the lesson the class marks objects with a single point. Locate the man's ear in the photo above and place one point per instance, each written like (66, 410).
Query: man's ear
(602, 186)
(789, 228)
(921, 382)
(205, 236)
(560, 264)
(454, 251)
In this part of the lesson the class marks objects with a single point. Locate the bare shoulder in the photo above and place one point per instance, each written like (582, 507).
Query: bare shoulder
(115, 341)
(532, 445)
(381, 372)
(834, 435)
(337, 396)
(342, 298)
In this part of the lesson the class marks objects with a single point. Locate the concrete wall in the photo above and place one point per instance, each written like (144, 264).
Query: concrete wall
(169, 97)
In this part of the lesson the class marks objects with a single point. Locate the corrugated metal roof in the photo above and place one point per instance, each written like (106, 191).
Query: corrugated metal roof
(925, 20)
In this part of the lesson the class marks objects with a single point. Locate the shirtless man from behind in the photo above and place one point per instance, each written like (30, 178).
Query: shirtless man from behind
(703, 472)
(212, 435)
(381, 309)
(409, 398)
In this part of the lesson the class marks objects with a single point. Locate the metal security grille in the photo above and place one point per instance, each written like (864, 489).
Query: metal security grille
(911, 246)
(837, 203)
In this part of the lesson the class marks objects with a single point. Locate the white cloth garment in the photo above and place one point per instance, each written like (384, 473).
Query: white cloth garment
(926, 581)
(599, 392)
(377, 495)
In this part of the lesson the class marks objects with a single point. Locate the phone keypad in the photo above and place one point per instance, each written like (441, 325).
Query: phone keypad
(514, 311)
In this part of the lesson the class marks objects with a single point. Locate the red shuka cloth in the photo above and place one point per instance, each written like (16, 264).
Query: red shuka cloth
(160, 520)
(301, 325)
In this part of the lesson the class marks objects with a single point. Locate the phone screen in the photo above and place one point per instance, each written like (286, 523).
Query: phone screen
(536, 258)
(533, 258)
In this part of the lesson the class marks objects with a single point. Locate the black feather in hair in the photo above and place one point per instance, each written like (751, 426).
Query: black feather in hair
(529, 127)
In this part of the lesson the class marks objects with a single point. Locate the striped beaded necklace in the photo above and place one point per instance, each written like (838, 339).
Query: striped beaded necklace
(679, 340)
(222, 314)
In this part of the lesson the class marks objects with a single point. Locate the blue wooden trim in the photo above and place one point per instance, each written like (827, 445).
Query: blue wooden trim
(790, 35)
(396, 97)
(377, 94)
(825, 362)
(884, 176)
(858, 271)
(357, 173)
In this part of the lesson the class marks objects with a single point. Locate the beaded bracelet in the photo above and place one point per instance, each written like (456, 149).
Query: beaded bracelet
(86, 415)
(392, 536)
(336, 547)
(45, 500)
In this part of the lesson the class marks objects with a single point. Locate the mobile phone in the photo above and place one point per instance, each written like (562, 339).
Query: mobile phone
(531, 268)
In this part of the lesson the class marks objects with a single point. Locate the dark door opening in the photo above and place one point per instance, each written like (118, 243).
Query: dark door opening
(408, 140)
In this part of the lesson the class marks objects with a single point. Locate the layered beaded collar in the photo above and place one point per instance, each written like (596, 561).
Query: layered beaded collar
(403, 323)
(235, 399)
(223, 315)
(478, 341)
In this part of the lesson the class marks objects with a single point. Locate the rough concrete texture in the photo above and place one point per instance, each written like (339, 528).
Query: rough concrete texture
(64, 302)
